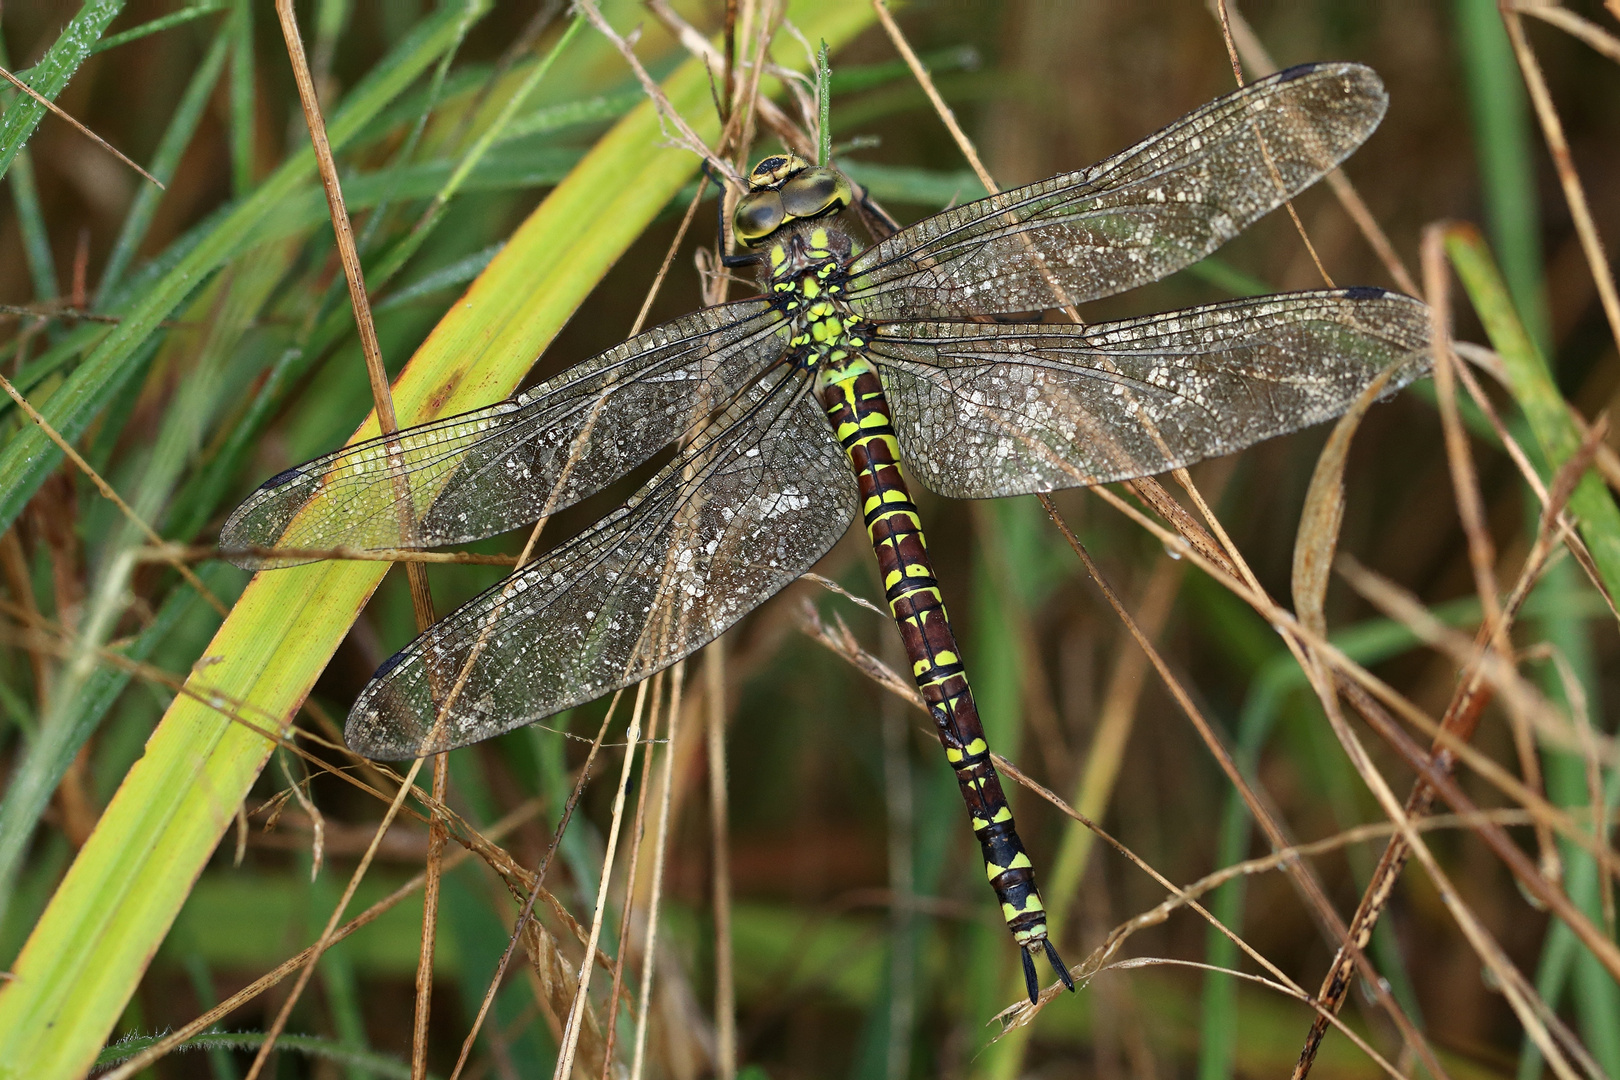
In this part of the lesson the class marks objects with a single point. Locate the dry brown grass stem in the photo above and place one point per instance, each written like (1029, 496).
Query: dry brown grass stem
(50, 638)
(669, 257)
(1576, 26)
(201, 552)
(109, 494)
(1549, 724)
(533, 893)
(843, 643)
(1487, 360)
(1469, 500)
(631, 878)
(1552, 129)
(65, 312)
(317, 820)
(139, 1063)
(649, 949)
(1270, 984)
(1533, 1013)
(576, 1015)
(725, 987)
(693, 41)
(1356, 680)
(833, 587)
(328, 933)
(1116, 719)
(1038, 708)
(920, 73)
(388, 423)
(675, 127)
(1595, 452)
(1460, 461)
(1303, 879)
(1300, 639)
(521, 560)
(1224, 16)
(97, 139)
(1023, 1012)
(759, 20)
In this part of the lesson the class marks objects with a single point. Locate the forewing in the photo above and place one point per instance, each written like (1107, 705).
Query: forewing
(986, 410)
(1153, 209)
(484, 472)
(760, 496)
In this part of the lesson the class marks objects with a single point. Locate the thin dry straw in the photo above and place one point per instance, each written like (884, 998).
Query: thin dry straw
(330, 930)
(109, 494)
(52, 106)
(269, 980)
(1569, 178)
(576, 1015)
(563, 821)
(649, 949)
(421, 596)
(725, 991)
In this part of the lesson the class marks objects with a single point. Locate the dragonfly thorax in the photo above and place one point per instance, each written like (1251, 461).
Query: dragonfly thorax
(806, 278)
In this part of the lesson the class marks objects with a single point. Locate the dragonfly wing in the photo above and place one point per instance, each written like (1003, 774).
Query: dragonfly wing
(990, 410)
(481, 473)
(761, 494)
(1146, 212)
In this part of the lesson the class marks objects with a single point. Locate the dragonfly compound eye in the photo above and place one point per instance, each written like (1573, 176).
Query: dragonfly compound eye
(771, 171)
(759, 214)
(816, 191)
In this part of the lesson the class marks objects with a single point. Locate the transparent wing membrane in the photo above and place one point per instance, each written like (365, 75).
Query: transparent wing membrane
(1153, 209)
(762, 494)
(985, 410)
(484, 472)
(760, 488)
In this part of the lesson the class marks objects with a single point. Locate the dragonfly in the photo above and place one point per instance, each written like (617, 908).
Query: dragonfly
(793, 413)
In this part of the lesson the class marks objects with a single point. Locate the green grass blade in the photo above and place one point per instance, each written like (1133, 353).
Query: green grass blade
(1507, 152)
(89, 949)
(367, 1062)
(1532, 385)
(31, 224)
(173, 144)
(1565, 967)
(162, 22)
(52, 73)
(240, 24)
(236, 300)
(30, 457)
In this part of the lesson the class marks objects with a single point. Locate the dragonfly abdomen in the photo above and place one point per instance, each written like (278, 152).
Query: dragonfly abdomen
(860, 417)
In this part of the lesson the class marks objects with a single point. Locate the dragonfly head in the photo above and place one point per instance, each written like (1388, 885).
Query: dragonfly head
(784, 188)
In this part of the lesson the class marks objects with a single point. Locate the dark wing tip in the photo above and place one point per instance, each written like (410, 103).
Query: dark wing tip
(1359, 79)
(283, 477)
(1298, 71)
(1326, 67)
(1366, 292)
(390, 664)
